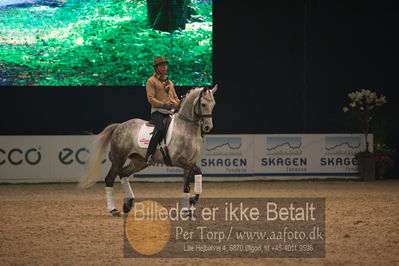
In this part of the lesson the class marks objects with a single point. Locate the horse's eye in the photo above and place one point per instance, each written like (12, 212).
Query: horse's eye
(203, 105)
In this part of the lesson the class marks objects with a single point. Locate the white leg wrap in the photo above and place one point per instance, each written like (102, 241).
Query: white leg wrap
(186, 201)
(126, 187)
(198, 184)
(110, 200)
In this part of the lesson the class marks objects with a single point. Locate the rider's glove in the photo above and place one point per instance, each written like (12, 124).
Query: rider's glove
(167, 106)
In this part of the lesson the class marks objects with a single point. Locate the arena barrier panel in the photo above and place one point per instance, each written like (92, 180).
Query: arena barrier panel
(224, 157)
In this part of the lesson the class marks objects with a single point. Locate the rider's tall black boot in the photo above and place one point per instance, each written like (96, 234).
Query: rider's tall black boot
(155, 140)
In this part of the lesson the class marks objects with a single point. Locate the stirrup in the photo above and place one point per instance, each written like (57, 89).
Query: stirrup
(149, 160)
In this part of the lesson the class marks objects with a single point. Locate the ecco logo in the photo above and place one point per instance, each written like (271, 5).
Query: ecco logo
(67, 155)
(17, 156)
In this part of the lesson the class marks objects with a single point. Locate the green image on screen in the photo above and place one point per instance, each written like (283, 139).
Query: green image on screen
(104, 42)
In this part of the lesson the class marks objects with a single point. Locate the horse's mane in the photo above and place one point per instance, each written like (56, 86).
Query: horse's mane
(191, 95)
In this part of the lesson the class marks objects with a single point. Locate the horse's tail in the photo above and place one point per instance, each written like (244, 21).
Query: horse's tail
(93, 168)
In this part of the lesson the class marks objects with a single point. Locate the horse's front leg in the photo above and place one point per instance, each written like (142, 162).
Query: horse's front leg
(189, 177)
(190, 171)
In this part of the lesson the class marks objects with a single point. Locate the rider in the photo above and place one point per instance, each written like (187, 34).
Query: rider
(162, 96)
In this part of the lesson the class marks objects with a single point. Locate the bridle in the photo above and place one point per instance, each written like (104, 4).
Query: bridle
(198, 104)
(198, 117)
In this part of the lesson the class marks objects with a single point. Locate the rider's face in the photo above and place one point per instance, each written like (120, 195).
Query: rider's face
(162, 68)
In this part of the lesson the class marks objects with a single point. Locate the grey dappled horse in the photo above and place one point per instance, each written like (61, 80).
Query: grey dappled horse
(195, 114)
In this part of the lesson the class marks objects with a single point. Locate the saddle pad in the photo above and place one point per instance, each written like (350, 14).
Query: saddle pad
(145, 134)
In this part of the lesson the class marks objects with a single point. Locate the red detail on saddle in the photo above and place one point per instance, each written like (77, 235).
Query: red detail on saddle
(144, 141)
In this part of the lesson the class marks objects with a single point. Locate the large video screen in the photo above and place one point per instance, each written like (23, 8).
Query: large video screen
(104, 42)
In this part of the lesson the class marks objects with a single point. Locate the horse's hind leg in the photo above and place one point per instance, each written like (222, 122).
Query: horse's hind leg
(136, 164)
(117, 164)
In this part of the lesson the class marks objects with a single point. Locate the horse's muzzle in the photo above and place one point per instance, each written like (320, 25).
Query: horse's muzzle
(207, 129)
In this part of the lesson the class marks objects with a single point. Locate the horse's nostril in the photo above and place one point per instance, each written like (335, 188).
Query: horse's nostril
(206, 128)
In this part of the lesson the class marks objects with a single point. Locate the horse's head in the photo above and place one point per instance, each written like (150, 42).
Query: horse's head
(203, 107)
(197, 107)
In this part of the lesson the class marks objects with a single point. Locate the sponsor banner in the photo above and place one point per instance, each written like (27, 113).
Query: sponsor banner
(227, 155)
(48, 158)
(160, 170)
(26, 157)
(69, 155)
(308, 154)
(63, 158)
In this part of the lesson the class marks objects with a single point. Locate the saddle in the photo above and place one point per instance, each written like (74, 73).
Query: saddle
(147, 129)
(166, 124)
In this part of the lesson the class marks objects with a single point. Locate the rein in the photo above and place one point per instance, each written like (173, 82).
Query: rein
(188, 120)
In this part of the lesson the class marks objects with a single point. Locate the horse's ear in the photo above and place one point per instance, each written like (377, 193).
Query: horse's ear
(204, 90)
(214, 89)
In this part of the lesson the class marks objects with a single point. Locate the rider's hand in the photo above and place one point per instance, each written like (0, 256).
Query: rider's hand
(175, 105)
(167, 106)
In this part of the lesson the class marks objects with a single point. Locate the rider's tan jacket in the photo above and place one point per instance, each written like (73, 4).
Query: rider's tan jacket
(157, 95)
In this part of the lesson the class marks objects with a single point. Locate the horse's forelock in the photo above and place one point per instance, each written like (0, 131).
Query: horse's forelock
(208, 92)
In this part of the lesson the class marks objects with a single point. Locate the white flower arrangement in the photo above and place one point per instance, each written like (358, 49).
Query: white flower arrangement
(364, 100)
(363, 104)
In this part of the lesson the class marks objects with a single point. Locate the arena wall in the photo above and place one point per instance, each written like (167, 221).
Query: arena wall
(224, 157)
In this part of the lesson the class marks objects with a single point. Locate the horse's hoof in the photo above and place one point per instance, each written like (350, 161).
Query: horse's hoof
(115, 213)
(187, 213)
(127, 204)
(193, 201)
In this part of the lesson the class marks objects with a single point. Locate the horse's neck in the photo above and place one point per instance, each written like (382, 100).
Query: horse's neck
(187, 112)
(187, 117)
(187, 121)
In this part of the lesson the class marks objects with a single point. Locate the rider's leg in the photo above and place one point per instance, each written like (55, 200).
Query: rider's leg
(157, 120)
(155, 140)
